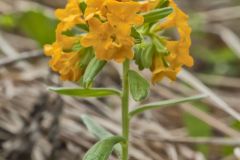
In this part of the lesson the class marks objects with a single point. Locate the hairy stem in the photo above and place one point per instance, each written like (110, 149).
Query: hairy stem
(125, 103)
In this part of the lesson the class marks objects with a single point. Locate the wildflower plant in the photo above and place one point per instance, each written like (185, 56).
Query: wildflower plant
(91, 33)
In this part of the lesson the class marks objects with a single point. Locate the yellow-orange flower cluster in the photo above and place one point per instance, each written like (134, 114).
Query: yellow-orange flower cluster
(109, 32)
(178, 50)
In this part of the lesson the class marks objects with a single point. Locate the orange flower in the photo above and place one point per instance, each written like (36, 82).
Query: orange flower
(106, 43)
(66, 64)
(65, 41)
(179, 50)
(95, 7)
(160, 70)
(70, 15)
(123, 15)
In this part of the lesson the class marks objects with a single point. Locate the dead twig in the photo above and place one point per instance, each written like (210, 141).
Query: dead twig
(20, 57)
(187, 77)
(228, 36)
(6, 48)
(205, 117)
(222, 14)
(220, 81)
(194, 140)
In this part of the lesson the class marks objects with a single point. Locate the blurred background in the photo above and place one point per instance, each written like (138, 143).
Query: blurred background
(38, 125)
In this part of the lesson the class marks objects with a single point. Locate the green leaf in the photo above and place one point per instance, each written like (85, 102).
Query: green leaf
(144, 29)
(159, 46)
(34, 24)
(103, 149)
(136, 35)
(147, 55)
(95, 128)
(86, 57)
(139, 87)
(163, 3)
(165, 62)
(83, 6)
(157, 14)
(138, 50)
(77, 30)
(165, 103)
(99, 132)
(38, 26)
(83, 27)
(143, 55)
(82, 92)
(92, 70)
(77, 47)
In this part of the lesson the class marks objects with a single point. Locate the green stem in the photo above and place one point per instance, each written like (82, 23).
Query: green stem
(125, 108)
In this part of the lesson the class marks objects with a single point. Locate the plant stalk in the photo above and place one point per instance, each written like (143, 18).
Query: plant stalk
(125, 109)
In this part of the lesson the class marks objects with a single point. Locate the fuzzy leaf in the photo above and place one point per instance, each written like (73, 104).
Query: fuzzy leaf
(92, 70)
(102, 149)
(138, 50)
(147, 55)
(83, 6)
(163, 3)
(82, 92)
(38, 26)
(157, 14)
(160, 48)
(139, 87)
(86, 57)
(136, 35)
(99, 132)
